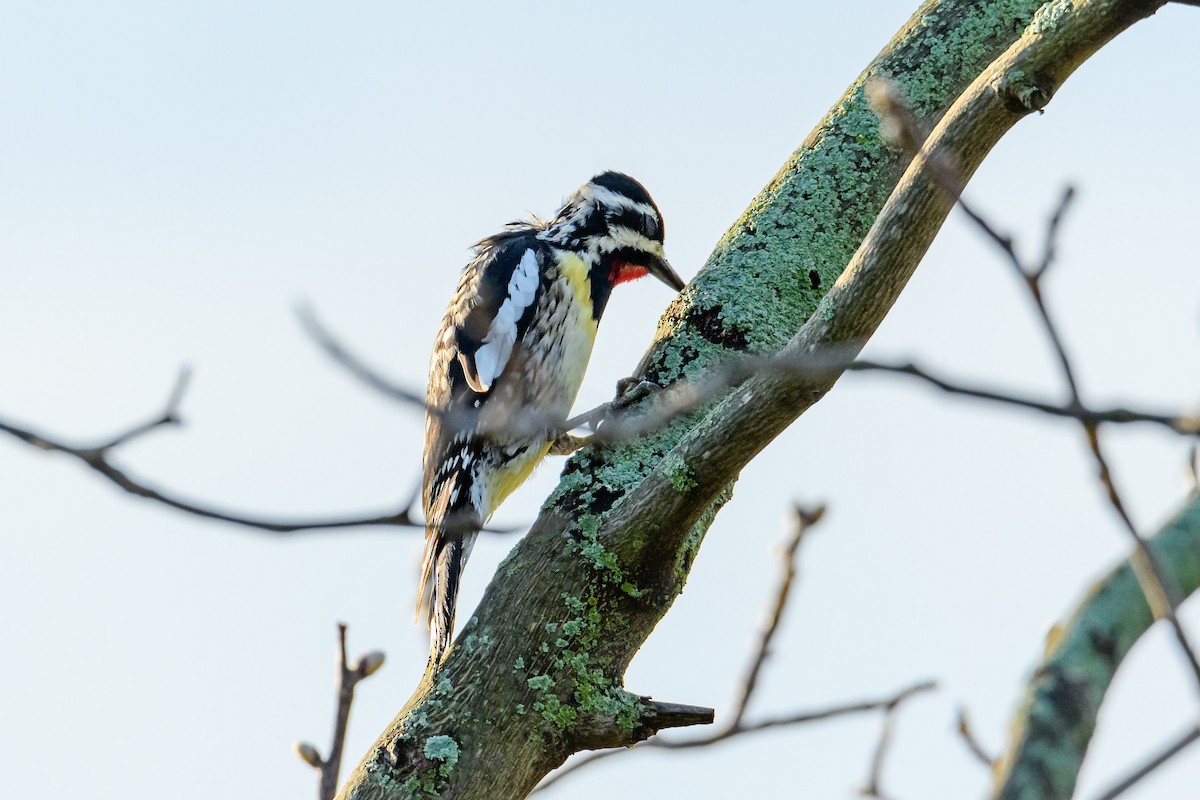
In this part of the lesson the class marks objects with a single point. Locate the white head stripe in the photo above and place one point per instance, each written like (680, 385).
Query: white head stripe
(620, 236)
(607, 197)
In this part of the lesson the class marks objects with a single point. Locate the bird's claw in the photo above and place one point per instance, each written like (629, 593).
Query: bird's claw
(633, 390)
(568, 443)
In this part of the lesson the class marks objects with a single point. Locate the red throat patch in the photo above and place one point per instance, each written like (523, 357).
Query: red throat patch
(623, 272)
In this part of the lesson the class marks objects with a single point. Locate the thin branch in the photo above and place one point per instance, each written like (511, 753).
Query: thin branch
(1169, 752)
(340, 355)
(1050, 245)
(348, 678)
(96, 457)
(968, 736)
(805, 519)
(1184, 425)
(875, 778)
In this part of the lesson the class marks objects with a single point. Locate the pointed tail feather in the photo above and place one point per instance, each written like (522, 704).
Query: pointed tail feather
(448, 542)
(446, 575)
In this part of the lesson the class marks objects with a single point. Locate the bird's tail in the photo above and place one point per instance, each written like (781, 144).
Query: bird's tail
(447, 547)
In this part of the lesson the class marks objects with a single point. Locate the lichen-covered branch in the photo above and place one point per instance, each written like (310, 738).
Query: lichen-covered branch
(1056, 722)
(832, 240)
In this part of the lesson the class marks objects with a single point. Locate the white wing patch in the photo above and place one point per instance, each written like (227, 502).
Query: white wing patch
(492, 356)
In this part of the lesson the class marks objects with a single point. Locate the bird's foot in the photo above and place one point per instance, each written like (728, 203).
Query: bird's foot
(632, 390)
(629, 392)
(568, 443)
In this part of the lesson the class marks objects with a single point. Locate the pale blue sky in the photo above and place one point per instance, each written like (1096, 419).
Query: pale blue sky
(176, 176)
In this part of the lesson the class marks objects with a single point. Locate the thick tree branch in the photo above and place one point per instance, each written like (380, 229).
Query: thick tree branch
(1056, 722)
(557, 627)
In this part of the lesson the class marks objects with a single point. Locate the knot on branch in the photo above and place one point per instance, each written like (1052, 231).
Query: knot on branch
(597, 731)
(1023, 92)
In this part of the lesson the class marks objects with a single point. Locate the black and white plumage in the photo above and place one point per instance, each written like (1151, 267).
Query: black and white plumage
(509, 359)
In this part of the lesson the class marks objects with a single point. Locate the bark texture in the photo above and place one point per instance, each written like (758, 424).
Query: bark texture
(819, 257)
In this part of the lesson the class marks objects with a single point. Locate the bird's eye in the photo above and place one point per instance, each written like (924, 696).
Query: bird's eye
(653, 229)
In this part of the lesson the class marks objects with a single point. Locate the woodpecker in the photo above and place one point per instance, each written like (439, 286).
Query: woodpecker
(508, 361)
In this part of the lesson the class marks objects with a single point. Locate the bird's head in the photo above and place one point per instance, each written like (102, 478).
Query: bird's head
(614, 220)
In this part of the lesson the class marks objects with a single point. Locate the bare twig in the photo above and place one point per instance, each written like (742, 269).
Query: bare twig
(875, 778)
(1156, 761)
(1050, 246)
(968, 736)
(805, 519)
(889, 104)
(96, 457)
(1185, 425)
(349, 677)
(340, 355)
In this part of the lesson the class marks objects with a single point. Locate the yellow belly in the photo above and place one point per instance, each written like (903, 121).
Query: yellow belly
(505, 480)
(580, 326)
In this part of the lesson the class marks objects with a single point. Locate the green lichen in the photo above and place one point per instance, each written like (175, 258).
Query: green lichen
(433, 781)
(562, 716)
(519, 664)
(679, 473)
(510, 563)
(825, 309)
(948, 49)
(444, 749)
(603, 560)
(1048, 16)
(477, 641)
(541, 683)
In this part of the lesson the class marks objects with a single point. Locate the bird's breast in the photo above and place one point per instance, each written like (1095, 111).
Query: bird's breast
(566, 343)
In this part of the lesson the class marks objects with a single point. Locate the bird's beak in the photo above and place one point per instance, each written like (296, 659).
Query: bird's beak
(664, 272)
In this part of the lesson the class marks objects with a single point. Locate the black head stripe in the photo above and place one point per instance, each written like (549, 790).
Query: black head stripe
(625, 185)
(648, 225)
